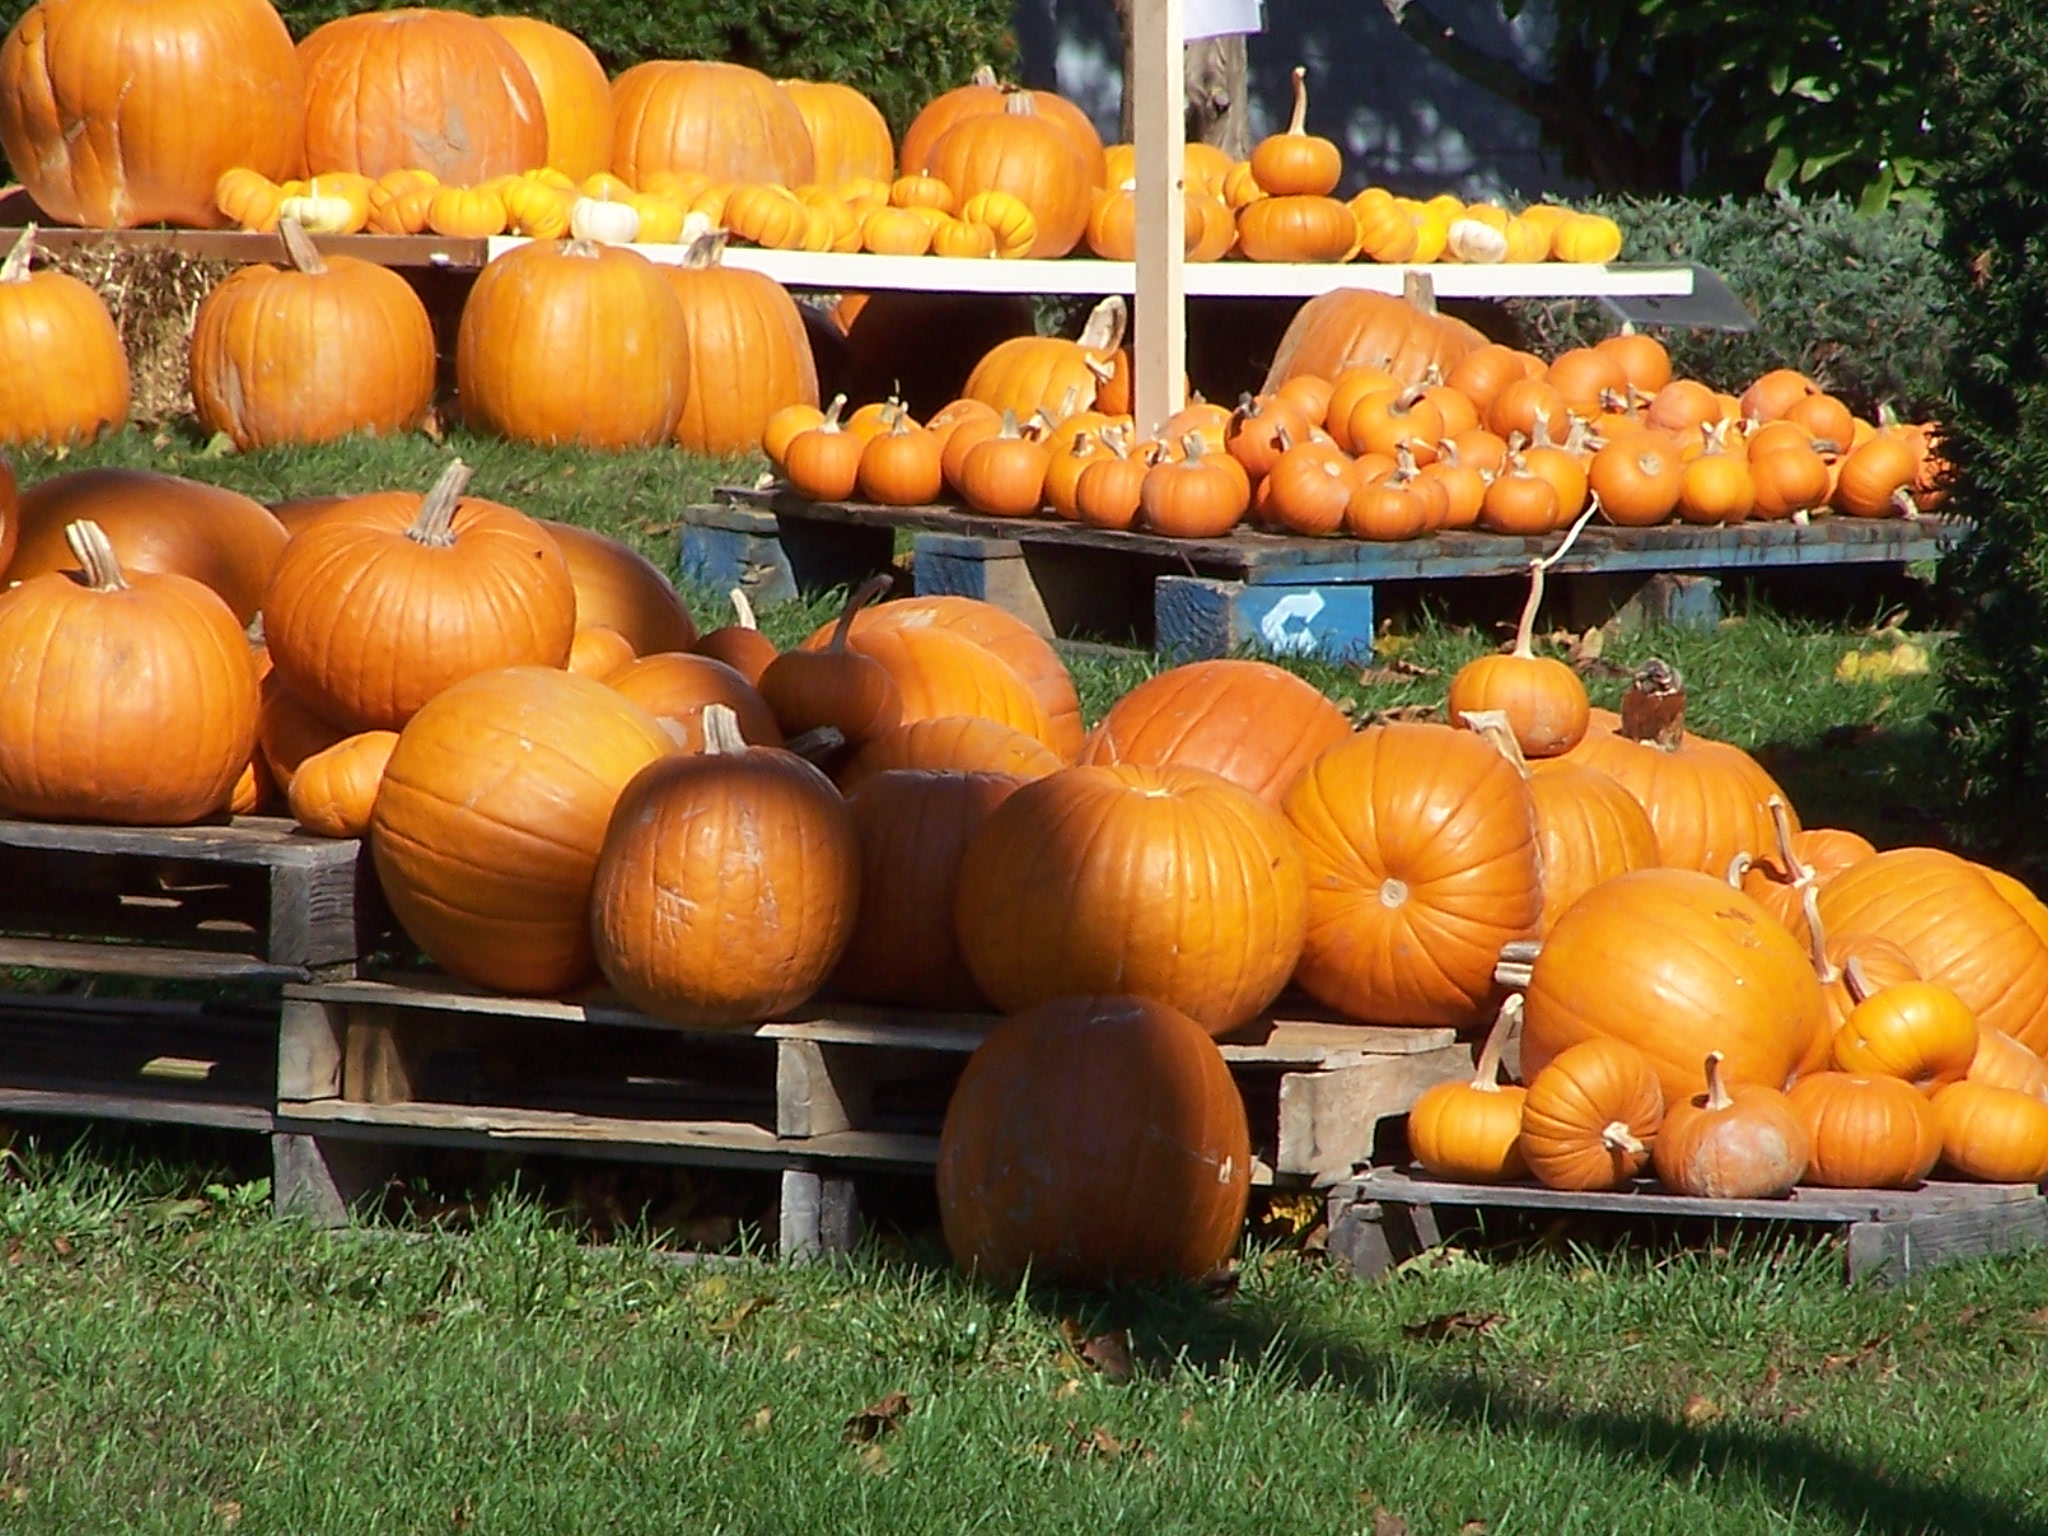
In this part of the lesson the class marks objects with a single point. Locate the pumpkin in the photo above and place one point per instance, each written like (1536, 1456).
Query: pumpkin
(2002, 1062)
(727, 885)
(1637, 478)
(740, 645)
(99, 675)
(466, 213)
(1421, 850)
(962, 744)
(1091, 1140)
(1866, 1132)
(1744, 1143)
(914, 826)
(1003, 475)
(1707, 800)
(1294, 163)
(1296, 229)
(287, 730)
(1957, 929)
(849, 136)
(311, 353)
(63, 370)
(1472, 1132)
(389, 598)
(1911, 1030)
(982, 96)
(746, 354)
(111, 113)
(576, 98)
(823, 462)
(1247, 721)
(1109, 491)
(1994, 1134)
(1805, 860)
(621, 589)
(1169, 882)
(1591, 1115)
(732, 123)
(1032, 373)
(430, 88)
(1643, 360)
(1876, 478)
(334, 790)
(1351, 325)
(599, 651)
(1544, 701)
(940, 672)
(1676, 964)
(1199, 493)
(835, 688)
(1029, 156)
(573, 342)
(679, 687)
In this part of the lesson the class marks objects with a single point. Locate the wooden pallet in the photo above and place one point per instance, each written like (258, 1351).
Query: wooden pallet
(252, 899)
(366, 1066)
(1386, 1215)
(1207, 597)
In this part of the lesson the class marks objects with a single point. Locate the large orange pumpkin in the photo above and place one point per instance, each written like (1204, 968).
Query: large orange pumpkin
(116, 113)
(1023, 153)
(1589, 830)
(1023, 374)
(732, 123)
(680, 686)
(433, 89)
(387, 599)
(622, 589)
(576, 98)
(728, 883)
(63, 371)
(1995, 1134)
(1351, 327)
(1421, 847)
(311, 352)
(952, 744)
(849, 135)
(573, 342)
(1248, 721)
(122, 698)
(489, 819)
(1866, 1132)
(1677, 964)
(1167, 882)
(940, 672)
(747, 355)
(1094, 1139)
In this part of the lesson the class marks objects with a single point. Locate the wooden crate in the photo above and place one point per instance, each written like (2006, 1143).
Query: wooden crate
(1208, 597)
(366, 1066)
(249, 899)
(1386, 1215)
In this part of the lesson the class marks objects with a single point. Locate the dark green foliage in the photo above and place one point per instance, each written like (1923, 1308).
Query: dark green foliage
(1995, 141)
(1856, 301)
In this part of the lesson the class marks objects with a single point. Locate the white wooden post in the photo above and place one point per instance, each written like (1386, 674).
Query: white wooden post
(1159, 123)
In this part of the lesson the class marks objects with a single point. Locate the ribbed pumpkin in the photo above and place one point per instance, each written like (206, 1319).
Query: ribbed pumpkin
(1542, 697)
(1091, 1140)
(1473, 1131)
(573, 342)
(158, 524)
(833, 687)
(983, 95)
(287, 730)
(1675, 963)
(1249, 721)
(1866, 1132)
(1024, 374)
(1994, 1134)
(1959, 931)
(10, 512)
(1708, 800)
(732, 123)
(1348, 327)
(849, 135)
(1912, 1030)
(728, 883)
(334, 790)
(1421, 848)
(940, 672)
(621, 589)
(63, 371)
(388, 90)
(1168, 882)
(598, 651)
(678, 686)
(1591, 1115)
(312, 352)
(488, 823)
(740, 644)
(2002, 1062)
(115, 114)
(387, 599)
(576, 98)
(746, 357)
(952, 744)
(914, 826)
(1023, 153)
(1741, 1143)
(124, 698)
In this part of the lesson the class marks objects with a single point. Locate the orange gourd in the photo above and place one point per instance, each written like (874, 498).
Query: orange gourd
(598, 651)
(952, 744)
(823, 462)
(1544, 701)
(333, 791)
(1472, 1131)
(63, 370)
(1004, 474)
(1994, 1134)
(1638, 479)
(1912, 1030)
(1201, 494)
(1740, 1143)
(576, 98)
(677, 687)
(621, 589)
(740, 645)
(1025, 153)
(746, 356)
(732, 123)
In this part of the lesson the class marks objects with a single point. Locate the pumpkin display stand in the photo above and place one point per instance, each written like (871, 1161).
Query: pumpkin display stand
(831, 1090)
(252, 900)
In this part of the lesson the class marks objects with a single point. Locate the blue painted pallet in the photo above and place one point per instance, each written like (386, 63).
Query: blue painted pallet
(1207, 597)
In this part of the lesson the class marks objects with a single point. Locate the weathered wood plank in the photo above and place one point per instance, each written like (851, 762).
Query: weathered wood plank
(249, 246)
(1892, 1252)
(816, 1214)
(1195, 617)
(92, 1102)
(1393, 1186)
(1328, 1118)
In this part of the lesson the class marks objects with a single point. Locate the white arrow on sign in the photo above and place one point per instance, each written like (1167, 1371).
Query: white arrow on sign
(1279, 625)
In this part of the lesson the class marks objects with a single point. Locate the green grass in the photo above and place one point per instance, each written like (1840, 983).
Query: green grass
(180, 1359)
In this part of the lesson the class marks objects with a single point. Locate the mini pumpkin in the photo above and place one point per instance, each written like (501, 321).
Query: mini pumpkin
(1745, 1143)
(1473, 1131)
(1590, 1117)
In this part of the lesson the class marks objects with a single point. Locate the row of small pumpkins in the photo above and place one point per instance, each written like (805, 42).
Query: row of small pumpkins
(1391, 443)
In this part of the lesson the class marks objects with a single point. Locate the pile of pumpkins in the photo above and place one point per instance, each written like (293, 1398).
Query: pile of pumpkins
(400, 122)
(1379, 420)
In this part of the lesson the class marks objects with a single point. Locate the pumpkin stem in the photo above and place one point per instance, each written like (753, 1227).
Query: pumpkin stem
(1020, 104)
(1653, 709)
(299, 247)
(96, 557)
(984, 76)
(1738, 867)
(1857, 980)
(1486, 1075)
(434, 526)
(722, 730)
(742, 606)
(858, 599)
(1717, 1088)
(830, 421)
(1106, 325)
(707, 250)
(1294, 123)
(1418, 291)
(1797, 870)
(15, 268)
(819, 745)
(1817, 938)
(578, 246)
(1616, 1136)
(1192, 447)
(1009, 426)
(1493, 727)
(1525, 629)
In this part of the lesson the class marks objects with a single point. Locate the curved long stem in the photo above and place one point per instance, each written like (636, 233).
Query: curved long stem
(299, 247)
(1300, 117)
(1539, 569)
(862, 595)
(1486, 1075)
(1717, 1089)
(1817, 939)
(96, 557)
(15, 269)
(742, 606)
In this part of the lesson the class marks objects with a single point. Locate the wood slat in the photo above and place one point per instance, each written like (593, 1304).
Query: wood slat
(142, 960)
(92, 1104)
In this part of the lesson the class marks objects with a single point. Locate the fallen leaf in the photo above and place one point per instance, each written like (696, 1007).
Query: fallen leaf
(763, 1417)
(1187, 1418)
(877, 1419)
(874, 1461)
(1587, 648)
(1070, 1387)
(1386, 1523)
(1699, 1410)
(1451, 1324)
(1908, 660)
(62, 1246)
(736, 1319)
(1101, 1442)
(1856, 1357)
(1389, 646)
(1401, 712)
(1109, 1353)
(1967, 1315)
(228, 1512)
(1472, 1528)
